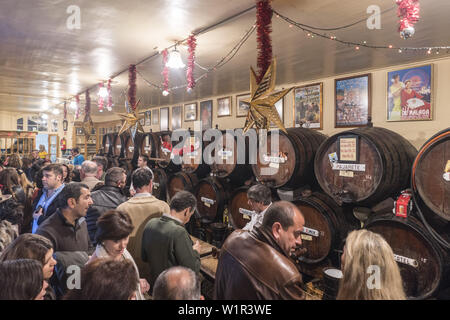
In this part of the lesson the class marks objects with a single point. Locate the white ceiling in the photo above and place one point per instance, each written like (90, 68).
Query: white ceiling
(41, 58)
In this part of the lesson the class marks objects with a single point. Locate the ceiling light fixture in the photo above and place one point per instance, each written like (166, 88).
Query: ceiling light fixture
(55, 111)
(44, 116)
(73, 105)
(103, 92)
(175, 61)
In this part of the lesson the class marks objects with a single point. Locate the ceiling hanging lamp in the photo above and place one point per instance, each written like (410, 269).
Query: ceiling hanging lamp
(175, 61)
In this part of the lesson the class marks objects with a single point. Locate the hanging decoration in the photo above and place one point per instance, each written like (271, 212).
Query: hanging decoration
(109, 104)
(77, 102)
(65, 123)
(409, 13)
(263, 23)
(262, 101)
(165, 73)
(101, 96)
(87, 123)
(192, 44)
(132, 120)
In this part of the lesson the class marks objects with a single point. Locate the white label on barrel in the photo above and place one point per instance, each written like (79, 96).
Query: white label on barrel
(155, 185)
(274, 165)
(349, 167)
(311, 232)
(207, 201)
(246, 217)
(107, 145)
(225, 154)
(335, 273)
(446, 176)
(266, 158)
(306, 237)
(346, 173)
(246, 212)
(119, 146)
(405, 260)
(131, 149)
(147, 148)
(165, 150)
(147, 142)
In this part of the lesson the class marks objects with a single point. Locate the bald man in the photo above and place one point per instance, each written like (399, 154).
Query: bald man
(88, 174)
(177, 283)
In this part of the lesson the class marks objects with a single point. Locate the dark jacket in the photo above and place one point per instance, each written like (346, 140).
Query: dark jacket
(64, 236)
(253, 267)
(51, 208)
(105, 198)
(166, 243)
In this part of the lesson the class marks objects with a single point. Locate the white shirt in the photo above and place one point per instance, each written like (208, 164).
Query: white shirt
(257, 219)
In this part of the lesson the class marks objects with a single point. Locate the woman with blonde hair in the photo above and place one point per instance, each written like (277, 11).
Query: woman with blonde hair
(369, 269)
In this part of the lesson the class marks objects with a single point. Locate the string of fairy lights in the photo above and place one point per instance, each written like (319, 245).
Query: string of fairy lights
(310, 32)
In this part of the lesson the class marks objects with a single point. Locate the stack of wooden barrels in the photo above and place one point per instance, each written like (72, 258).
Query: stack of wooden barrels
(330, 179)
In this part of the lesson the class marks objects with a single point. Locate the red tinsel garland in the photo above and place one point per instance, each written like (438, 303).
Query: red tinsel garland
(109, 104)
(77, 100)
(100, 98)
(165, 71)
(87, 108)
(132, 86)
(192, 44)
(263, 23)
(409, 13)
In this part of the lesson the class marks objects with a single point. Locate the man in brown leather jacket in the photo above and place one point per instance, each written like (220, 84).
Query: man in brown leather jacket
(255, 265)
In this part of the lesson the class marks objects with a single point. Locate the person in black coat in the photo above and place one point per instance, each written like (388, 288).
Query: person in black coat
(105, 198)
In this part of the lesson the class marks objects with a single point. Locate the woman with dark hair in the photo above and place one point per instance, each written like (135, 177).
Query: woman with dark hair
(112, 236)
(22, 280)
(27, 163)
(67, 174)
(35, 247)
(16, 163)
(76, 177)
(11, 217)
(106, 279)
(10, 184)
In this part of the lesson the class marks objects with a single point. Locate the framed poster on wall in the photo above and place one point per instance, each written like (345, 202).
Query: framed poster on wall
(164, 121)
(308, 102)
(352, 101)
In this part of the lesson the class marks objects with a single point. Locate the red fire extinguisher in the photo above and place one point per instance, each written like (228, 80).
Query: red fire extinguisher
(63, 144)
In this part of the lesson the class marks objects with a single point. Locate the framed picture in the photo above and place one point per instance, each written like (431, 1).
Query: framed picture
(353, 101)
(155, 116)
(176, 117)
(224, 107)
(190, 111)
(164, 123)
(409, 94)
(241, 107)
(148, 118)
(206, 114)
(308, 102)
(280, 109)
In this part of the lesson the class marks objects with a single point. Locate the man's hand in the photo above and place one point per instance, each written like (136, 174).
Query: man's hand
(196, 246)
(37, 214)
(145, 286)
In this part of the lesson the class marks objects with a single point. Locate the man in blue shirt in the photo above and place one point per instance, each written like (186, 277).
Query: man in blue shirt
(78, 158)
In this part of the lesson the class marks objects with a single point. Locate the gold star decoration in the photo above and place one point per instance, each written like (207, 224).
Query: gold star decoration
(132, 121)
(262, 101)
(87, 126)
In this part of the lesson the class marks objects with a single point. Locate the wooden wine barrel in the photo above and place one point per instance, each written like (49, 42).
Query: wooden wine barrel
(364, 166)
(160, 181)
(192, 155)
(107, 144)
(129, 148)
(239, 210)
(431, 176)
(149, 142)
(212, 196)
(181, 181)
(326, 227)
(292, 165)
(422, 262)
(226, 164)
(118, 145)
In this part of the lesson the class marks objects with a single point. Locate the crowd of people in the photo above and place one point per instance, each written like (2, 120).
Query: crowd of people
(92, 231)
